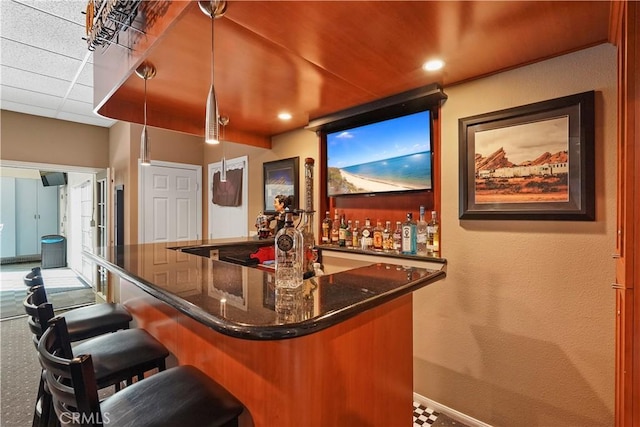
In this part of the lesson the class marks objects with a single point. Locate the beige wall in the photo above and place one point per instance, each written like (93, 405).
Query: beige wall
(33, 139)
(300, 143)
(124, 152)
(521, 332)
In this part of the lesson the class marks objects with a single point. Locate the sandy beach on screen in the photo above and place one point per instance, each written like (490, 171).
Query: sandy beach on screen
(370, 184)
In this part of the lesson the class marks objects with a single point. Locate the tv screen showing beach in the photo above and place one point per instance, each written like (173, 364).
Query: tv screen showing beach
(387, 156)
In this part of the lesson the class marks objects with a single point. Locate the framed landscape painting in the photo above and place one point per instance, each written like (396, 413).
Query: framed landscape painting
(531, 162)
(280, 178)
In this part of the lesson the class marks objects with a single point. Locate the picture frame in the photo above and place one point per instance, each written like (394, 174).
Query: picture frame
(533, 162)
(280, 177)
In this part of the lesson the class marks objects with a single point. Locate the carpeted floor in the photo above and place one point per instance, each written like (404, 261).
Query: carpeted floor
(20, 373)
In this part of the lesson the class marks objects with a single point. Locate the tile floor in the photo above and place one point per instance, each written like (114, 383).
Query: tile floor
(64, 288)
(423, 416)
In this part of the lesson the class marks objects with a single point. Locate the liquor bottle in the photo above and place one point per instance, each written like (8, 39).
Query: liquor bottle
(326, 229)
(366, 241)
(289, 255)
(348, 237)
(387, 237)
(397, 238)
(335, 228)
(421, 230)
(355, 235)
(409, 235)
(433, 235)
(377, 236)
(342, 232)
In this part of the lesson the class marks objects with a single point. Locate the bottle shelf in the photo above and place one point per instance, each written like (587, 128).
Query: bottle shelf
(383, 254)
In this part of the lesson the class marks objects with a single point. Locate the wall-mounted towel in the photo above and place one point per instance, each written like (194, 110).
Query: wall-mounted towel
(228, 193)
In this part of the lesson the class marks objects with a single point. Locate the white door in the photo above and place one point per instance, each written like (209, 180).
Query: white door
(8, 217)
(26, 217)
(170, 202)
(229, 221)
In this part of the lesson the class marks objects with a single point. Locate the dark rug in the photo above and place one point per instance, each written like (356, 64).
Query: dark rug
(64, 289)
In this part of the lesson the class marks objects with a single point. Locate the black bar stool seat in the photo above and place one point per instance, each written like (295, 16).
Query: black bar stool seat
(123, 355)
(97, 319)
(118, 356)
(178, 396)
(84, 322)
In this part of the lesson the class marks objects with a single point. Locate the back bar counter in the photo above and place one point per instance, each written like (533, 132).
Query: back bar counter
(342, 358)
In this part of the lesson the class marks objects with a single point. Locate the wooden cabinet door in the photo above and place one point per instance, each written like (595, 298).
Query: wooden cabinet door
(625, 33)
(26, 217)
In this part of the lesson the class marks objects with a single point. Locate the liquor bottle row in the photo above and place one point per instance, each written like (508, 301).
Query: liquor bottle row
(404, 237)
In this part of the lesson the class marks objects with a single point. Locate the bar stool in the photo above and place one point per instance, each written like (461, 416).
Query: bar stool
(178, 396)
(119, 356)
(86, 322)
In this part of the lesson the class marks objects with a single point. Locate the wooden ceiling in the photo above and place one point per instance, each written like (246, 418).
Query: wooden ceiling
(316, 58)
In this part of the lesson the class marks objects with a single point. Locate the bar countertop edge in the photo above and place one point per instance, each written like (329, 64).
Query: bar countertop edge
(274, 331)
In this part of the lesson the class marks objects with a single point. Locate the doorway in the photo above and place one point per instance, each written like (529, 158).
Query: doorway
(170, 202)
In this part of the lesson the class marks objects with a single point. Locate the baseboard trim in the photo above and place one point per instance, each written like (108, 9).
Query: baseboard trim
(20, 259)
(452, 413)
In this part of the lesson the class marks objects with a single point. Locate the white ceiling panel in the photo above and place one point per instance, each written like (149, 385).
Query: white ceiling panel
(35, 82)
(71, 10)
(46, 66)
(28, 109)
(42, 30)
(32, 98)
(86, 75)
(75, 107)
(81, 93)
(39, 61)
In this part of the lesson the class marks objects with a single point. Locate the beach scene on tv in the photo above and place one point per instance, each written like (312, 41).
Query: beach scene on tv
(387, 156)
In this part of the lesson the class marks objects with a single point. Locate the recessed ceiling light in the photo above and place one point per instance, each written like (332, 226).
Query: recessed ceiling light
(284, 116)
(433, 65)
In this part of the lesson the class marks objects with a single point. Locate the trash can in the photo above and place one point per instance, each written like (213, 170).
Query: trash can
(54, 251)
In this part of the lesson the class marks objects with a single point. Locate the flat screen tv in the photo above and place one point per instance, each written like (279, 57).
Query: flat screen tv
(392, 155)
(53, 178)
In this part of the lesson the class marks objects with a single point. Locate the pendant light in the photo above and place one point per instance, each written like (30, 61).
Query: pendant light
(224, 121)
(214, 9)
(145, 71)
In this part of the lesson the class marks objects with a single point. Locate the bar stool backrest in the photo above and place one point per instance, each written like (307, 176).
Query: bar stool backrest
(71, 381)
(37, 316)
(33, 278)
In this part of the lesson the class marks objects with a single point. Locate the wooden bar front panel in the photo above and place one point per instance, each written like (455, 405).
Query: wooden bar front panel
(358, 372)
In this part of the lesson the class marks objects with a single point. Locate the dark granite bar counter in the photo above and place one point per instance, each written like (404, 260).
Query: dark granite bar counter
(241, 301)
(343, 357)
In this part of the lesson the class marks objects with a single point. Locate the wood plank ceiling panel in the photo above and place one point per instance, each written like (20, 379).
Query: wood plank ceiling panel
(316, 58)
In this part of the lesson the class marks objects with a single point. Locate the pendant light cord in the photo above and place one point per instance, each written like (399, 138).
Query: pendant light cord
(213, 17)
(145, 100)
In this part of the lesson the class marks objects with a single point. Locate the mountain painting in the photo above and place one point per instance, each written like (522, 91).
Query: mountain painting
(526, 163)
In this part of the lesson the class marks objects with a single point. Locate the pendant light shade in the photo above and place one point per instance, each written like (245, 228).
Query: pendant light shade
(223, 170)
(145, 71)
(213, 9)
(145, 155)
(211, 127)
